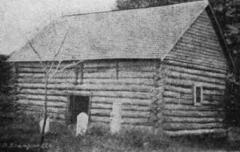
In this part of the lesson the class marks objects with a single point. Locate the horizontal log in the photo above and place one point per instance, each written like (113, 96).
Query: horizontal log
(208, 95)
(119, 94)
(135, 114)
(128, 103)
(139, 121)
(217, 92)
(179, 82)
(180, 101)
(125, 106)
(170, 106)
(189, 90)
(88, 87)
(125, 75)
(94, 63)
(87, 64)
(177, 95)
(93, 73)
(30, 70)
(194, 113)
(199, 63)
(184, 113)
(37, 108)
(105, 74)
(99, 105)
(196, 72)
(195, 56)
(189, 101)
(97, 65)
(57, 99)
(145, 126)
(197, 78)
(132, 68)
(191, 126)
(197, 51)
(192, 120)
(55, 116)
(210, 62)
(41, 103)
(125, 101)
(133, 74)
(195, 132)
(124, 114)
(195, 66)
(122, 81)
(130, 107)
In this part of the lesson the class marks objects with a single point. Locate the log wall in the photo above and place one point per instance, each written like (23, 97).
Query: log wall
(130, 82)
(196, 58)
(153, 93)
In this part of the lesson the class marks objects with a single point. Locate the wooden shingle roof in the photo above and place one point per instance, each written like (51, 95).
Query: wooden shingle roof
(147, 33)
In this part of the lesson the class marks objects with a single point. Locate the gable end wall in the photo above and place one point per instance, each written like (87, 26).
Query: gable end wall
(196, 59)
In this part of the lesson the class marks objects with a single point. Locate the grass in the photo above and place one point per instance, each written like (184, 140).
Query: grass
(19, 134)
(98, 139)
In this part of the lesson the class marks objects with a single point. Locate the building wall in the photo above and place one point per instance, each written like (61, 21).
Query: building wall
(152, 94)
(197, 58)
(130, 82)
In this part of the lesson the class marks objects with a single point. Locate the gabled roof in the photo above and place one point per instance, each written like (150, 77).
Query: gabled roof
(148, 33)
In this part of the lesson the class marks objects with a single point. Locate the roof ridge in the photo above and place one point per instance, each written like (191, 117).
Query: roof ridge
(133, 9)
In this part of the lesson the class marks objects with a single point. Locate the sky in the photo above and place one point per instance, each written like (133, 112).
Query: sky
(22, 19)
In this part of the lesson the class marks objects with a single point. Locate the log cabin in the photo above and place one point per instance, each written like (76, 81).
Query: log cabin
(164, 66)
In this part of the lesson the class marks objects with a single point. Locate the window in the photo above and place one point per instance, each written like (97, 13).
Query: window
(197, 94)
(77, 104)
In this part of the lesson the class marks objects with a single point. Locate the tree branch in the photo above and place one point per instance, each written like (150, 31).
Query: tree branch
(39, 56)
(58, 52)
(64, 68)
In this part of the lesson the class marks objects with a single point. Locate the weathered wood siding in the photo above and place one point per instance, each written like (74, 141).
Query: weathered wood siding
(196, 58)
(130, 82)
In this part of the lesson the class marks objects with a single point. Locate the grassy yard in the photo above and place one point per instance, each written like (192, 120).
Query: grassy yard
(98, 139)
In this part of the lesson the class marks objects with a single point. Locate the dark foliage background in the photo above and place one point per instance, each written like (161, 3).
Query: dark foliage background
(7, 107)
(15, 126)
(227, 13)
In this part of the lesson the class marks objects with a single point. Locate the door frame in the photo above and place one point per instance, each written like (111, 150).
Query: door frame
(67, 113)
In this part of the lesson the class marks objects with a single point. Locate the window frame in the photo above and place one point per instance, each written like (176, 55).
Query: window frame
(195, 86)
